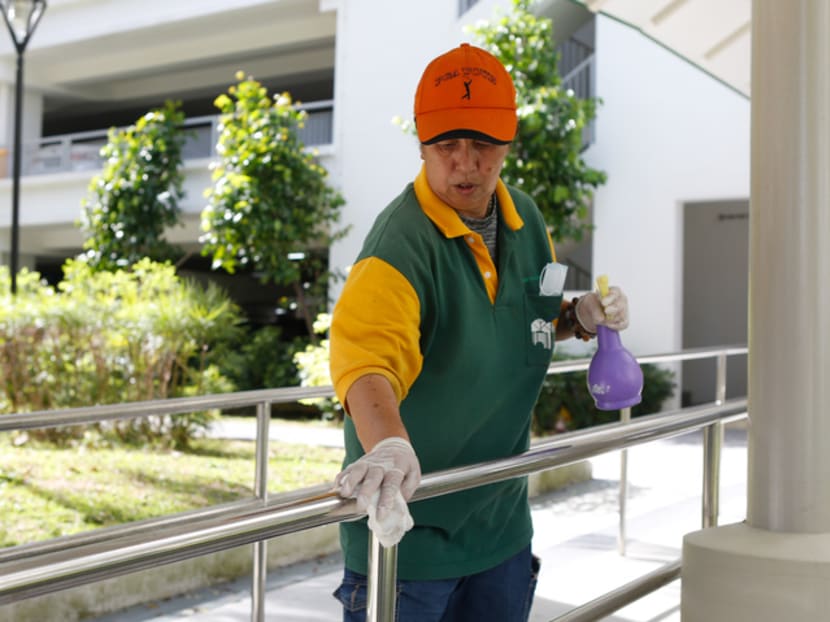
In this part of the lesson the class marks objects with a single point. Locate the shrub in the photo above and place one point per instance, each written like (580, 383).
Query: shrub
(313, 366)
(565, 403)
(110, 337)
(264, 359)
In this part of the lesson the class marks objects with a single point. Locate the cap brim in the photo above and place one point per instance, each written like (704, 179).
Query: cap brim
(497, 124)
(471, 134)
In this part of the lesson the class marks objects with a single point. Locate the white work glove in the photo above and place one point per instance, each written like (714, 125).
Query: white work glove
(383, 480)
(610, 311)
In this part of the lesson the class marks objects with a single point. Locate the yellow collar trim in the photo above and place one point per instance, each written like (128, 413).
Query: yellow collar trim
(447, 219)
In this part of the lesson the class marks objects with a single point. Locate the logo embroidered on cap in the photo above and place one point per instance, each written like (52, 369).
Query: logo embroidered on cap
(466, 94)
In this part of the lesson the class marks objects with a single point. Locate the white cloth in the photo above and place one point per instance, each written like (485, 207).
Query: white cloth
(395, 523)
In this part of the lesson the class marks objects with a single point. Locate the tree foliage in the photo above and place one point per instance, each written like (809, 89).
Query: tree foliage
(313, 367)
(270, 198)
(136, 196)
(545, 160)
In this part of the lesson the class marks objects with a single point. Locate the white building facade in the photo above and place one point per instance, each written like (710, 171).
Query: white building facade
(673, 139)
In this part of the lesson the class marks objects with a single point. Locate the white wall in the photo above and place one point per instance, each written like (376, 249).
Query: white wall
(667, 133)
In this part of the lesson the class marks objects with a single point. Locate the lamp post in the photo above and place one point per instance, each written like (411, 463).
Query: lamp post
(21, 17)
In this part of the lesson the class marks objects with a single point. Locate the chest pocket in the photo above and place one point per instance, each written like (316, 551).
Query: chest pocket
(539, 313)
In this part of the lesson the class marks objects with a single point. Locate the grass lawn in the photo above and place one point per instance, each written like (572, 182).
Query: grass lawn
(46, 492)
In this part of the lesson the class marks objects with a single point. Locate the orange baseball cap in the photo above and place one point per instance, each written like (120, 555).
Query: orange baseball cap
(466, 93)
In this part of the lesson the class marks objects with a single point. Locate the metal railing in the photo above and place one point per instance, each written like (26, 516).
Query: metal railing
(81, 151)
(45, 567)
(572, 51)
(581, 81)
(577, 278)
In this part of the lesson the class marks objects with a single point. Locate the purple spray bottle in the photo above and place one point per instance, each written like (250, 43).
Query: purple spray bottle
(615, 379)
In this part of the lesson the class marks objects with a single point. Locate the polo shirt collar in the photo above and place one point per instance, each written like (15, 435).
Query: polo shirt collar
(447, 219)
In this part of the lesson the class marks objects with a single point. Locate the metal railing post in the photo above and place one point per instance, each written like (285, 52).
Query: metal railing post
(712, 447)
(214, 136)
(615, 600)
(66, 154)
(383, 576)
(625, 417)
(260, 547)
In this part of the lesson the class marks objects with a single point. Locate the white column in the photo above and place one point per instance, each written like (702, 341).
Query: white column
(789, 460)
(776, 566)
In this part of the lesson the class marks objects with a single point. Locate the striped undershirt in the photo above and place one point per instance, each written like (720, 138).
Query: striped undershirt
(487, 227)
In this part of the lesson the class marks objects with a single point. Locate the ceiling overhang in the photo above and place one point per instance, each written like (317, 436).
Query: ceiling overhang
(714, 35)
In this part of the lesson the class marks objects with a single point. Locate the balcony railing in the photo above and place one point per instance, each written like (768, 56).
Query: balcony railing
(81, 151)
(580, 80)
(465, 5)
(577, 67)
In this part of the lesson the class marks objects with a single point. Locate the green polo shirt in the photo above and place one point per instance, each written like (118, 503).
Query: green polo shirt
(466, 345)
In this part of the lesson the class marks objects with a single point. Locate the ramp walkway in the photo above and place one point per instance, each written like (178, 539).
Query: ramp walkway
(576, 537)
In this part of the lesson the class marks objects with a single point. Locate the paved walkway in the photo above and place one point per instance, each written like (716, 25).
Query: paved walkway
(576, 537)
(278, 430)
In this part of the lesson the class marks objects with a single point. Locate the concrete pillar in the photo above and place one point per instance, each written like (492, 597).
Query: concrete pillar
(776, 565)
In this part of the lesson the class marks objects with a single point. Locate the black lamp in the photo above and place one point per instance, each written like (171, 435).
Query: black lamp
(21, 17)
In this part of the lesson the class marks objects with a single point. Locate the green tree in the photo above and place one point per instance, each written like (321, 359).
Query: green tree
(545, 160)
(137, 194)
(270, 200)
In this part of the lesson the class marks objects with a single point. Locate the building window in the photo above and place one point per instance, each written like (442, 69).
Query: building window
(465, 5)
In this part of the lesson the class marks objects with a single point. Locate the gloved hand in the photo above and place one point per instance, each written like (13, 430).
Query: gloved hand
(610, 311)
(383, 481)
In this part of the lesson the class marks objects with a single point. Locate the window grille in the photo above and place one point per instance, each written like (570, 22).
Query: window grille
(465, 5)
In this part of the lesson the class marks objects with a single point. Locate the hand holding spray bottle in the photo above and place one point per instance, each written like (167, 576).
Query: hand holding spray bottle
(615, 379)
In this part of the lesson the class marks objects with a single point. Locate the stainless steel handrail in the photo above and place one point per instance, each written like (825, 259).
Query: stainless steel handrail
(111, 412)
(45, 567)
(713, 437)
(617, 599)
(42, 573)
(151, 408)
(668, 357)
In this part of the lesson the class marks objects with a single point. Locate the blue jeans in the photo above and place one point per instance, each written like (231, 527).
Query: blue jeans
(503, 593)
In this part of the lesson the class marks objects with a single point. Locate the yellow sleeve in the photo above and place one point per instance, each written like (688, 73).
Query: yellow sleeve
(375, 329)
